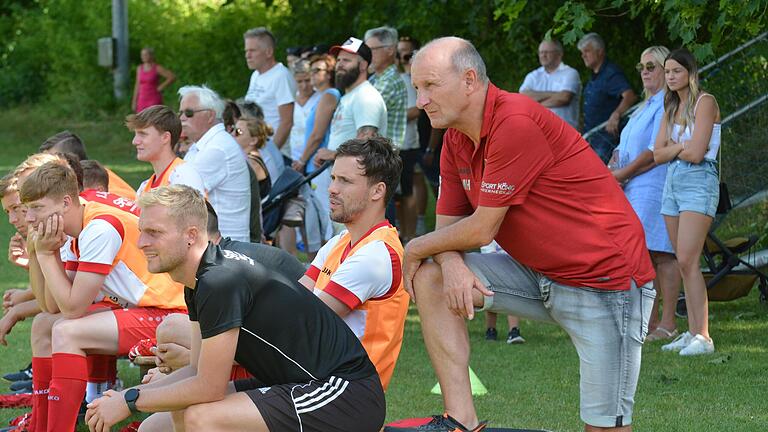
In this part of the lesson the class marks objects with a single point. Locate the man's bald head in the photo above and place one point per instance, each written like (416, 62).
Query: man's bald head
(455, 52)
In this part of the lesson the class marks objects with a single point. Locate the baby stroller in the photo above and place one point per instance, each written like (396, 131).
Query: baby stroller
(292, 202)
(732, 266)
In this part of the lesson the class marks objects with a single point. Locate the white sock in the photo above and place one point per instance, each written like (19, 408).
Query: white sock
(94, 390)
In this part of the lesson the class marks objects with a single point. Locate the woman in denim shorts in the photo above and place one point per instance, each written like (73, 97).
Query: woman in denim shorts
(689, 138)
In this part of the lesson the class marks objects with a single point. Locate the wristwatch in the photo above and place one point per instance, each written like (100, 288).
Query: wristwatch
(131, 396)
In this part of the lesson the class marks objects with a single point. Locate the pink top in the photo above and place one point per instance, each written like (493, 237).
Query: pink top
(148, 94)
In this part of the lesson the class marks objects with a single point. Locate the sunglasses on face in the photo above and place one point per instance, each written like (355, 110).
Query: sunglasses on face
(189, 112)
(237, 132)
(405, 57)
(650, 67)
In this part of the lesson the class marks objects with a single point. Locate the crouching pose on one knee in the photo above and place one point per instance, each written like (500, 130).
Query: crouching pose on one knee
(309, 370)
(513, 171)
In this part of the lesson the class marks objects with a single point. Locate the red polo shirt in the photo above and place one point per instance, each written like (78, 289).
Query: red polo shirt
(568, 218)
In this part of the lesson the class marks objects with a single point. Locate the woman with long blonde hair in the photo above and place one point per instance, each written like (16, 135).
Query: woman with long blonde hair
(689, 139)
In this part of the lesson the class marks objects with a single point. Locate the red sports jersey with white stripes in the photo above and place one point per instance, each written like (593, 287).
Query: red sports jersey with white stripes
(108, 245)
(367, 278)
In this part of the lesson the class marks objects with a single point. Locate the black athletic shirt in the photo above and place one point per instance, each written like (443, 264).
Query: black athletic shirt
(287, 335)
(270, 257)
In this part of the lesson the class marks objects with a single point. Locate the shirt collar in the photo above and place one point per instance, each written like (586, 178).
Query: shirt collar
(488, 109)
(209, 134)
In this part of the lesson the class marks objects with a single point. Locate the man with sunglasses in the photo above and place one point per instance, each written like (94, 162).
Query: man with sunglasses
(555, 84)
(218, 159)
(156, 131)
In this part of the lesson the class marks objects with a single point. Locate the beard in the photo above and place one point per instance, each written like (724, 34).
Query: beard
(345, 214)
(347, 78)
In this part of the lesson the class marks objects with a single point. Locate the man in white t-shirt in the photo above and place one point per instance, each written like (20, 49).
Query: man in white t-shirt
(272, 87)
(156, 131)
(218, 159)
(361, 112)
(555, 85)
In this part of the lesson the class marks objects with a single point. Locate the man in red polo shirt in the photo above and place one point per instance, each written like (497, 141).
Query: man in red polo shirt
(513, 171)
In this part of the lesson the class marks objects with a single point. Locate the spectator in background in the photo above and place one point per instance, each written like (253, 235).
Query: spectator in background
(383, 44)
(67, 142)
(249, 110)
(218, 159)
(95, 176)
(491, 318)
(689, 139)
(555, 85)
(156, 131)
(230, 115)
(272, 87)
(643, 181)
(148, 91)
(318, 128)
(412, 187)
(292, 55)
(606, 97)
(361, 112)
(252, 133)
(306, 101)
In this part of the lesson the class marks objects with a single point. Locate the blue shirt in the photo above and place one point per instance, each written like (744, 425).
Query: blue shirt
(310, 125)
(644, 191)
(603, 94)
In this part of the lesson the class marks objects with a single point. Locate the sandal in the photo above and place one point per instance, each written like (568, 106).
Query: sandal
(661, 334)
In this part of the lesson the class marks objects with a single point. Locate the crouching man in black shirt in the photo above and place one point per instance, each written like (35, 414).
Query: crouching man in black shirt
(310, 371)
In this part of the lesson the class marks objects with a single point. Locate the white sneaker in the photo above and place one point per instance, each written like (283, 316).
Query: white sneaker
(679, 343)
(699, 345)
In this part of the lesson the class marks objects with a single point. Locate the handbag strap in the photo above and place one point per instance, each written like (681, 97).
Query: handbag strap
(720, 162)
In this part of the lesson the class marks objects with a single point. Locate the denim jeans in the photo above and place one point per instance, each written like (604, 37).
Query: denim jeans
(607, 329)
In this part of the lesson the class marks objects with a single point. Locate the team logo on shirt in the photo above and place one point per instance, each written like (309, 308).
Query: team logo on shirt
(236, 256)
(502, 188)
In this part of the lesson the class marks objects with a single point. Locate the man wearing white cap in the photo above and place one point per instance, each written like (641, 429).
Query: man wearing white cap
(361, 112)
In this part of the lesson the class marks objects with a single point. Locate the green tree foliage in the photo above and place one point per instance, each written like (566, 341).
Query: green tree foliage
(704, 26)
(48, 47)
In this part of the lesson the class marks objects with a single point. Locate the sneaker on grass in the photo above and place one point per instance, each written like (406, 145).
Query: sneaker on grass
(514, 337)
(491, 334)
(439, 423)
(699, 345)
(679, 343)
(21, 385)
(21, 375)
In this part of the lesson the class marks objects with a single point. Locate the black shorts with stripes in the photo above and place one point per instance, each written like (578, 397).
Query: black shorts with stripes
(322, 406)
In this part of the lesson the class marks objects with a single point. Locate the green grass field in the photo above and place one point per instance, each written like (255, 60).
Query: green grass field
(534, 385)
